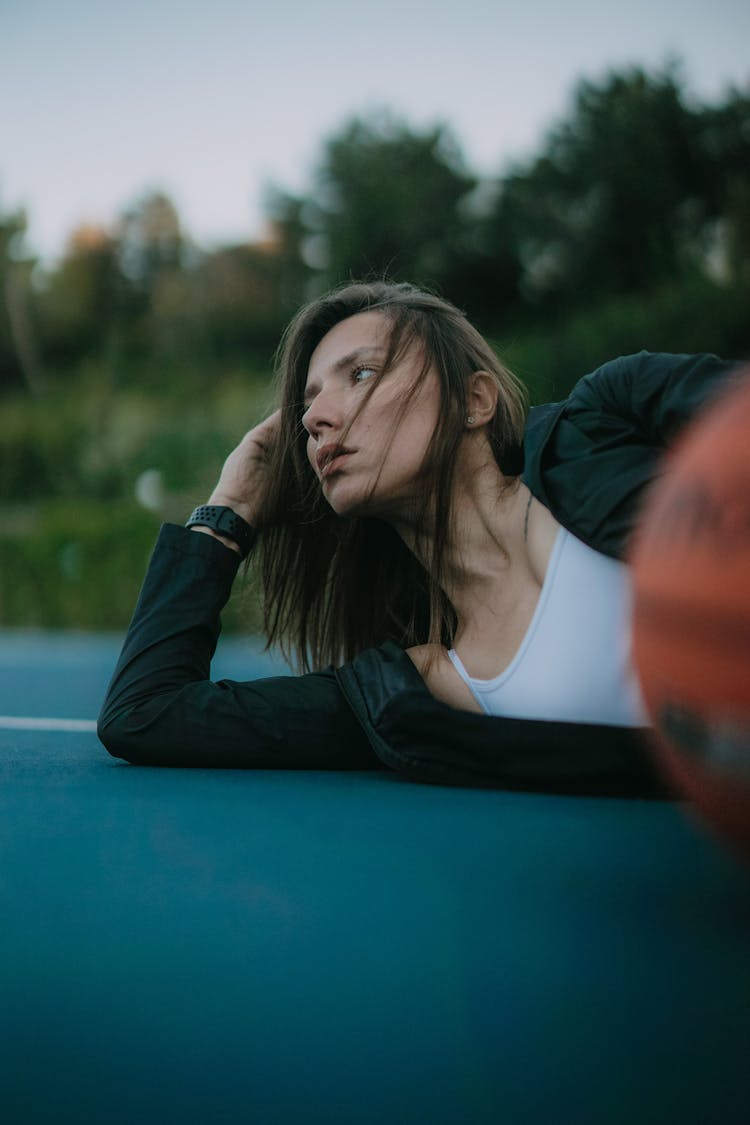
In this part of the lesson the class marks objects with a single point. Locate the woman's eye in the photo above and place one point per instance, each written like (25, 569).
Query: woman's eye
(363, 373)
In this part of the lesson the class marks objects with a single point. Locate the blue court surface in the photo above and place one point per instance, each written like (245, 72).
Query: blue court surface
(267, 947)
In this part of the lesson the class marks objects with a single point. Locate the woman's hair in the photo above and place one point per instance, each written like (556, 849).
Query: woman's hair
(334, 586)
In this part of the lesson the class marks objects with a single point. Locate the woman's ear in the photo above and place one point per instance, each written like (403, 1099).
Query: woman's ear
(481, 399)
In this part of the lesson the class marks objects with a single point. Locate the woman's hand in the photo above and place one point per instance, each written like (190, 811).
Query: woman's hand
(244, 478)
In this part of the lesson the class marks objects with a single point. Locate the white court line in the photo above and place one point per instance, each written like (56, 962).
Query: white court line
(18, 722)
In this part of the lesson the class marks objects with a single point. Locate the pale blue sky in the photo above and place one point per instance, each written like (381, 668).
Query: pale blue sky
(212, 101)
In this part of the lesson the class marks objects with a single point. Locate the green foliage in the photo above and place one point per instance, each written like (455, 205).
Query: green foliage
(599, 206)
(80, 564)
(696, 315)
(78, 304)
(75, 564)
(86, 439)
(74, 541)
(20, 362)
(40, 450)
(385, 201)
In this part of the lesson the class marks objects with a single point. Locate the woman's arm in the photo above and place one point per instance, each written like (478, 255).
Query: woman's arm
(161, 706)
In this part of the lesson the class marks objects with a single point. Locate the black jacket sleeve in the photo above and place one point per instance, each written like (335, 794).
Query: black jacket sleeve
(592, 456)
(161, 708)
(427, 741)
(651, 394)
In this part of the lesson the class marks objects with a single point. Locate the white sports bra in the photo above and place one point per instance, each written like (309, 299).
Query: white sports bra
(574, 662)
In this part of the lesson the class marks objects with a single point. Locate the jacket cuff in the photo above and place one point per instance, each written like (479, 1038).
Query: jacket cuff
(191, 544)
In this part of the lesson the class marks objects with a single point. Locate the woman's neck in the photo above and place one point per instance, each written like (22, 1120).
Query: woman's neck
(488, 538)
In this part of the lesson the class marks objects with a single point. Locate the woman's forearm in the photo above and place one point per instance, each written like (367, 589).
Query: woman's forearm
(162, 708)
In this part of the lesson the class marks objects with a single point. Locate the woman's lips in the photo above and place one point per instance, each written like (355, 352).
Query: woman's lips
(331, 458)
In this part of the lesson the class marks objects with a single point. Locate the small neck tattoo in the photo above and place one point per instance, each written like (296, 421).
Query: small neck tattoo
(526, 518)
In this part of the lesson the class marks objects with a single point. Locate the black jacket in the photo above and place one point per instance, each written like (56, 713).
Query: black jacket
(587, 459)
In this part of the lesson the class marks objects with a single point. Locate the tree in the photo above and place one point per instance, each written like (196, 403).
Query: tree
(19, 354)
(78, 301)
(285, 214)
(242, 294)
(149, 238)
(484, 271)
(617, 199)
(156, 298)
(724, 141)
(385, 201)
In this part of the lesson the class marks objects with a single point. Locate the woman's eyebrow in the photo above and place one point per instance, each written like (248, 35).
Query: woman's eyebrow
(348, 360)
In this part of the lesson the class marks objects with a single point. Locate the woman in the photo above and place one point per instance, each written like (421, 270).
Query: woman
(463, 561)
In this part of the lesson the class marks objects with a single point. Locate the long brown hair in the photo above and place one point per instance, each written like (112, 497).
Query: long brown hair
(334, 586)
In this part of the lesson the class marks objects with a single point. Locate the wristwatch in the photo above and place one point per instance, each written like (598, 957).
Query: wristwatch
(224, 522)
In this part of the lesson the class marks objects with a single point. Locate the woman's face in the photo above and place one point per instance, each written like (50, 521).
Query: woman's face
(367, 440)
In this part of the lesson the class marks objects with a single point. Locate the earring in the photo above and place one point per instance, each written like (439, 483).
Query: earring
(470, 420)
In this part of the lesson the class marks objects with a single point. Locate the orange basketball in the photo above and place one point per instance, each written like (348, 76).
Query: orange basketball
(691, 624)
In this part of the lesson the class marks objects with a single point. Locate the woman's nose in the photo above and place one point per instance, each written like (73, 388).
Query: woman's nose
(323, 413)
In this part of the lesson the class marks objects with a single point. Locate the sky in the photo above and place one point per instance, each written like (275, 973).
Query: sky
(212, 102)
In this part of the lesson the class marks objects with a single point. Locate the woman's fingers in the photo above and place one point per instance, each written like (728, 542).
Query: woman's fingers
(266, 432)
(244, 477)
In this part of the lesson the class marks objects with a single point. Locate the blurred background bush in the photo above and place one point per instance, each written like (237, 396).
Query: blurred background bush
(130, 368)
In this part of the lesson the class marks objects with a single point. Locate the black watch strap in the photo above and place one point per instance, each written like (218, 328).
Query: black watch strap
(224, 522)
